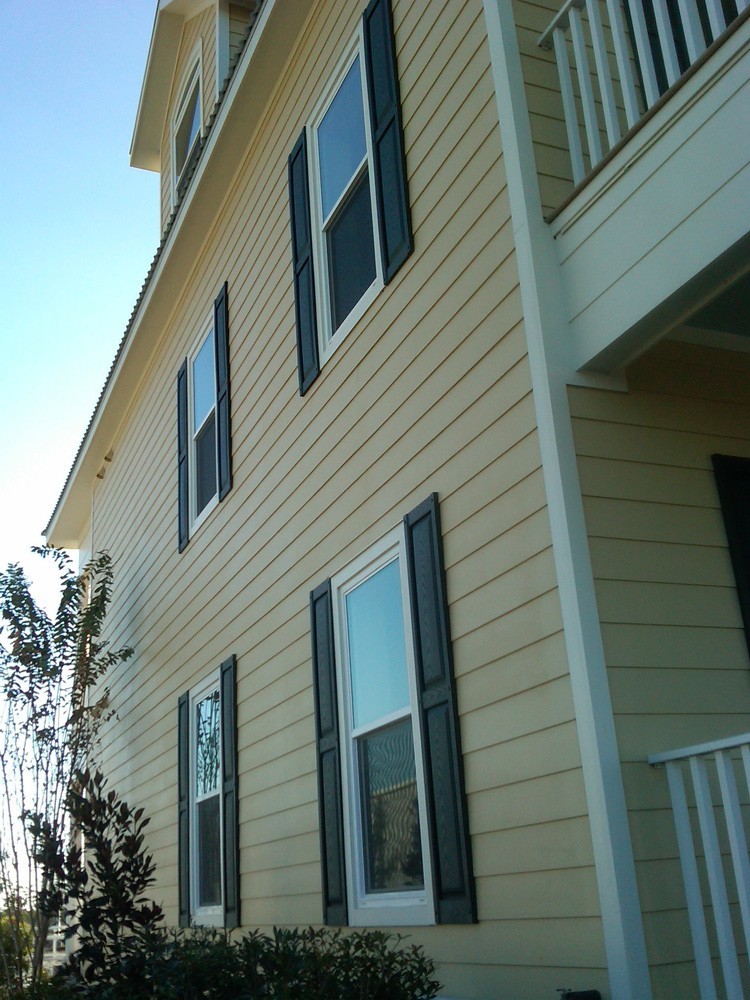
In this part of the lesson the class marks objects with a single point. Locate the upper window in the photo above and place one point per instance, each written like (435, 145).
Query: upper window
(187, 126)
(208, 866)
(348, 197)
(204, 471)
(343, 207)
(393, 822)
(202, 377)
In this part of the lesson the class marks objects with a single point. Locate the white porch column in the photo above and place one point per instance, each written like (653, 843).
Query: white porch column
(547, 339)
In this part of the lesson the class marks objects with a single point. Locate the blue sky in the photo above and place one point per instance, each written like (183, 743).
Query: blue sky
(78, 229)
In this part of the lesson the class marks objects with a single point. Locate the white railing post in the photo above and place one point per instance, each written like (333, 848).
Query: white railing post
(737, 838)
(717, 885)
(602, 71)
(584, 82)
(624, 65)
(691, 24)
(666, 41)
(696, 913)
(723, 754)
(569, 104)
(643, 53)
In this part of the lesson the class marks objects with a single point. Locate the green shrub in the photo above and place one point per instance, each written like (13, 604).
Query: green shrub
(287, 965)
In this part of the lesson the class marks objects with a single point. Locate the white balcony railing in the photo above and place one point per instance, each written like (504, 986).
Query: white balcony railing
(640, 48)
(714, 765)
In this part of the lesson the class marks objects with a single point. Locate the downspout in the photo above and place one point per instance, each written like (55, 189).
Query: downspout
(546, 334)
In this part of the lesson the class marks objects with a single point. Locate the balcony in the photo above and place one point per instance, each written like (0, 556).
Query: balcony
(656, 102)
(708, 810)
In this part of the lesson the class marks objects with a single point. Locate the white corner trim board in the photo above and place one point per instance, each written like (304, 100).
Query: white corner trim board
(546, 333)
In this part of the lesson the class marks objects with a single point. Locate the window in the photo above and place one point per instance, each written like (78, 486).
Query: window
(203, 425)
(187, 127)
(348, 198)
(208, 861)
(394, 834)
(733, 483)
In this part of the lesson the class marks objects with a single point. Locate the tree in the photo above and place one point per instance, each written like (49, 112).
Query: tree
(53, 702)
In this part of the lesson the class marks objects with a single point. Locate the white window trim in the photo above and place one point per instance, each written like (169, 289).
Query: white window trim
(196, 520)
(408, 908)
(193, 66)
(204, 916)
(328, 341)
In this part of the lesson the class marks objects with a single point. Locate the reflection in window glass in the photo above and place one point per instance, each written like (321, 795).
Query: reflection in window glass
(341, 139)
(187, 129)
(204, 382)
(377, 647)
(390, 814)
(207, 746)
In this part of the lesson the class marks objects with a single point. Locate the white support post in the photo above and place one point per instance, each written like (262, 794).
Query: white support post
(584, 82)
(643, 50)
(722, 918)
(691, 24)
(603, 74)
(624, 65)
(696, 913)
(716, 18)
(737, 839)
(666, 41)
(569, 104)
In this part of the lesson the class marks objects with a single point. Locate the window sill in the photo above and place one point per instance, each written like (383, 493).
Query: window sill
(351, 321)
(416, 913)
(204, 514)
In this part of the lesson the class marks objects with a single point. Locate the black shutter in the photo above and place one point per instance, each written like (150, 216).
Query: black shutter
(455, 901)
(302, 259)
(182, 458)
(392, 192)
(228, 687)
(329, 774)
(223, 417)
(733, 484)
(183, 808)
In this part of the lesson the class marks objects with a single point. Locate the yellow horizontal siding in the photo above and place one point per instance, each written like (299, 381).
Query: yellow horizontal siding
(676, 653)
(430, 392)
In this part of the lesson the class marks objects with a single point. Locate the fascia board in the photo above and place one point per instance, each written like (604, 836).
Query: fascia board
(266, 53)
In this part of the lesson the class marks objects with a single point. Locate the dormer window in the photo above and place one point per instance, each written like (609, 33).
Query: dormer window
(186, 129)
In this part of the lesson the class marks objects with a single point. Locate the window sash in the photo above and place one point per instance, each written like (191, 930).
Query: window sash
(212, 915)
(191, 81)
(197, 516)
(328, 337)
(411, 906)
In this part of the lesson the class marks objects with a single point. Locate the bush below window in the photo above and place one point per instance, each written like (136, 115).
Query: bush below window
(286, 965)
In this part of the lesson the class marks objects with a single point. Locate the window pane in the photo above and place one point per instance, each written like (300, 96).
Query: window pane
(341, 139)
(207, 730)
(377, 649)
(187, 129)
(204, 382)
(209, 853)
(205, 464)
(393, 848)
(351, 252)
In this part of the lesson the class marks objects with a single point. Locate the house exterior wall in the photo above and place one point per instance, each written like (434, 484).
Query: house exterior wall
(676, 652)
(429, 392)
(201, 28)
(545, 104)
